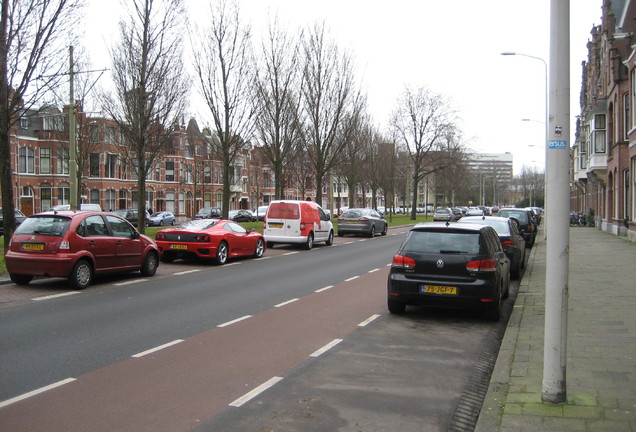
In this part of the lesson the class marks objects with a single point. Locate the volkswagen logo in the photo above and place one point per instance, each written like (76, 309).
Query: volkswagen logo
(439, 264)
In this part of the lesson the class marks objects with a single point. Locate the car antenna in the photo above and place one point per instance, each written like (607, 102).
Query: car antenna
(447, 223)
(483, 217)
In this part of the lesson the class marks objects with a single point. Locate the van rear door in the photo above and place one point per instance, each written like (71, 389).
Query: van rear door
(283, 219)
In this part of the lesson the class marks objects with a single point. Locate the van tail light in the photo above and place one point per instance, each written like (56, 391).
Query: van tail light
(302, 226)
(400, 261)
(481, 265)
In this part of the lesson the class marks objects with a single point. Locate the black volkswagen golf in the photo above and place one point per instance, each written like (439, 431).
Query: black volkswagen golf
(449, 264)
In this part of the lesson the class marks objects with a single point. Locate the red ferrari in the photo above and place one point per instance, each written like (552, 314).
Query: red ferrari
(216, 239)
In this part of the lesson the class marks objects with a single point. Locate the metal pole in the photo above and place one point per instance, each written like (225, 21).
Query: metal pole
(72, 158)
(558, 242)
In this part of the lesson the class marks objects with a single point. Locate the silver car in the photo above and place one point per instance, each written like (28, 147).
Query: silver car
(361, 221)
(443, 214)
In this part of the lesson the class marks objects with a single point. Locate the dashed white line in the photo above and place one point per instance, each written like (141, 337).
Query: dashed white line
(326, 348)
(35, 392)
(159, 348)
(262, 258)
(235, 321)
(374, 270)
(258, 390)
(290, 253)
(368, 320)
(287, 302)
(186, 272)
(351, 278)
(48, 297)
(130, 282)
(324, 289)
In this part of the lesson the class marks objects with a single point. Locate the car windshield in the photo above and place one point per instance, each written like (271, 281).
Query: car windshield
(460, 242)
(442, 211)
(500, 226)
(44, 225)
(157, 214)
(355, 213)
(198, 224)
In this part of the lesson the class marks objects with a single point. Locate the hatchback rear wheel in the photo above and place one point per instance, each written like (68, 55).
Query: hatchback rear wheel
(310, 241)
(81, 275)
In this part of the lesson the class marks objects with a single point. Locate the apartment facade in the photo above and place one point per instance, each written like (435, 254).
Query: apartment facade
(604, 152)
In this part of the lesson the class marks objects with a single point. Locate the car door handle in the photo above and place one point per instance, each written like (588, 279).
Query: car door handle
(92, 243)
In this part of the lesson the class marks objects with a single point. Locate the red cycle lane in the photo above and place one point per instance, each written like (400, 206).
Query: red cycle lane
(181, 386)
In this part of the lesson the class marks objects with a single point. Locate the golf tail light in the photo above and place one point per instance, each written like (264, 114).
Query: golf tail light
(481, 265)
(400, 261)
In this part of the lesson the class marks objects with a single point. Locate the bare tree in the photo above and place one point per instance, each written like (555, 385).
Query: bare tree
(425, 124)
(150, 85)
(33, 38)
(372, 163)
(328, 97)
(277, 99)
(224, 67)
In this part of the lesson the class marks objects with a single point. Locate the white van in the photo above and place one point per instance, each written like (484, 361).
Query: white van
(303, 222)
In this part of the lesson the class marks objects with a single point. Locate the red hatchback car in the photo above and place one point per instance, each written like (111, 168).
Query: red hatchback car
(215, 239)
(77, 245)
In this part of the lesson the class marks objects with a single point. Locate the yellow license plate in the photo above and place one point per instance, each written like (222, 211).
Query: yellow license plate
(33, 246)
(352, 221)
(275, 225)
(178, 246)
(439, 289)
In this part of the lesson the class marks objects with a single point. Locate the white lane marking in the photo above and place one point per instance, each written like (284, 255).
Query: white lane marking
(232, 264)
(362, 240)
(155, 349)
(326, 348)
(374, 270)
(262, 258)
(48, 297)
(290, 253)
(287, 302)
(324, 289)
(368, 320)
(130, 282)
(35, 392)
(351, 278)
(235, 321)
(186, 272)
(258, 390)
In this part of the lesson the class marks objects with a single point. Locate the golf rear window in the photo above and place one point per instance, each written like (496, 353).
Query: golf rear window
(283, 211)
(442, 242)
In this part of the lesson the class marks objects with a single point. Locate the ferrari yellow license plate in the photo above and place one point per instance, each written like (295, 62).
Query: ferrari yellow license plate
(178, 246)
(439, 289)
(33, 246)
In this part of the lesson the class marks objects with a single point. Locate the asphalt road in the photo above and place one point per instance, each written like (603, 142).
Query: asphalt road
(185, 349)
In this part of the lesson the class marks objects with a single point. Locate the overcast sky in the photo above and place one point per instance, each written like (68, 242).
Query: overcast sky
(452, 47)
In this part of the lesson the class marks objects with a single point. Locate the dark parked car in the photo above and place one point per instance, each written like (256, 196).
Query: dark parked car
(208, 213)
(527, 225)
(241, 216)
(456, 265)
(361, 221)
(78, 245)
(161, 218)
(457, 212)
(19, 218)
(131, 215)
(511, 240)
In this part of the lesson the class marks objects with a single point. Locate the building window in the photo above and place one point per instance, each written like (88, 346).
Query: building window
(599, 133)
(627, 116)
(94, 196)
(24, 122)
(207, 174)
(626, 194)
(181, 202)
(216, 175)
(135, 199)
(94, 164)
(62, 162)
(135, 169)
(170, 202)
(45, 161)
(45, 198)
(53, 123)
(93, 133)
(27, 160)
(63, 195)
(123, 199)
(111, 199)
(169, 172)
(207, 199)
(111, 166)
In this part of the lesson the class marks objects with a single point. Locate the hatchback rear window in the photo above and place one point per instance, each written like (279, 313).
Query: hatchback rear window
(283, 211)
(521, 216)
(461, 242)
(44, 225)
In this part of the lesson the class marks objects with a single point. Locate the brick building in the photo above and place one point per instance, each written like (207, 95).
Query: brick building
(604, 151)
